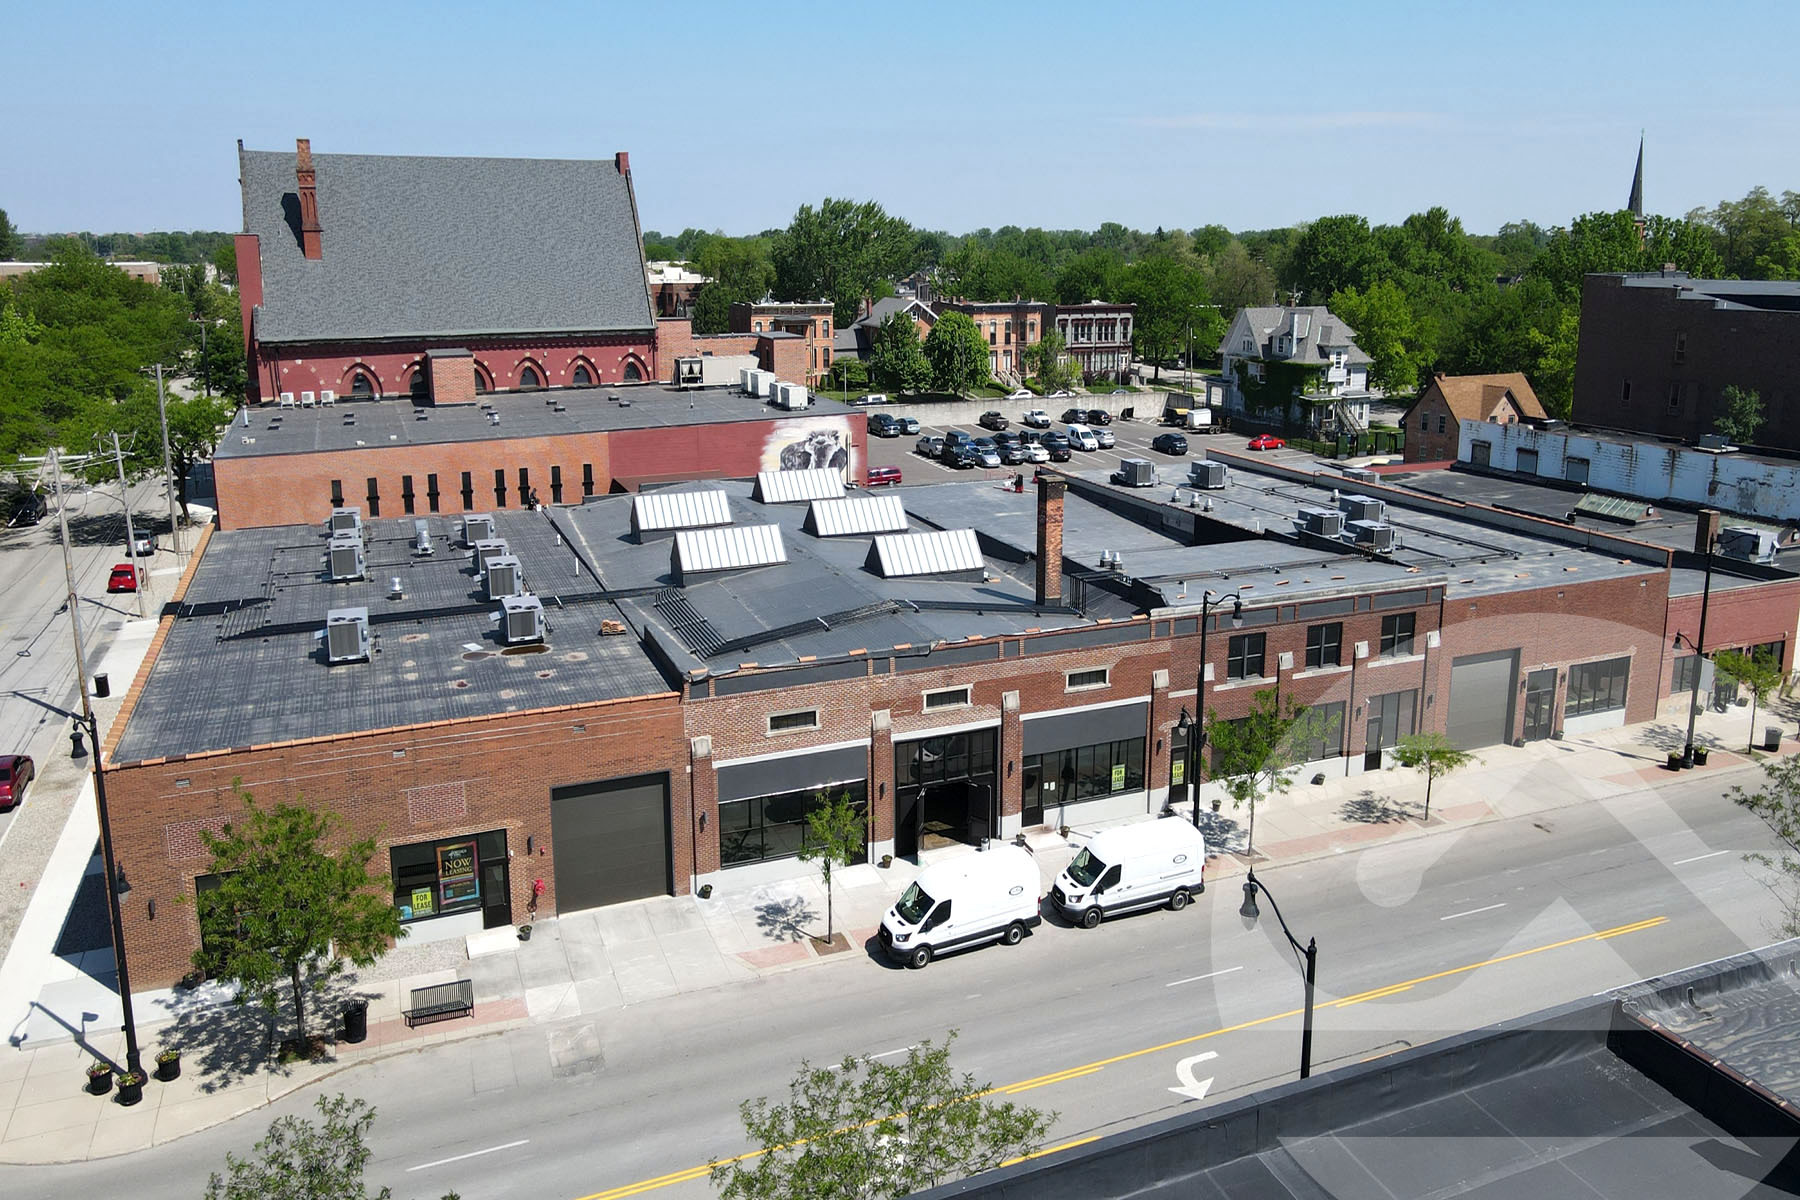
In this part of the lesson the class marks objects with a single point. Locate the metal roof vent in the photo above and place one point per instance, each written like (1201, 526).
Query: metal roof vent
(344, 558)
(421, 536)
(950, 553)
(521, 620)
(346, 635)
(1748, 543)
(477, 527)
(803, 484)
(345, 520)
(505, 577)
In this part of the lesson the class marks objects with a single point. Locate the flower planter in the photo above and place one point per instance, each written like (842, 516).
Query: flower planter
(1675, 759)
(524, 933)
(168, 1066)
(1700, 753)
(131, 1088)
(100, 1079)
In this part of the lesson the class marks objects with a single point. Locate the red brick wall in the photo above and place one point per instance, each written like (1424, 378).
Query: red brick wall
(250, 294)
(1736, 617)
(398, 786)
(1423, 441)
(452, 380)
(331, 367)
(784, 356)
(675, 338)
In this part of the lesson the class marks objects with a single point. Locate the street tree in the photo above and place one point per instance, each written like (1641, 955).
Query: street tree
(10, 241)
(1094, 274)
(840, 252)
(1612, 242)
(1047, 360)
(301, 1160)
(1431, 755)
(295, 901)
(1388, 332)
(958, 354)
(1758, 673)
(1777, 802)
(1235, 280)
(1172, 308)
(1332, 254)
(863, 1128)
(1742, 417)
(896, 357)
(836, 835)
(1252, 754)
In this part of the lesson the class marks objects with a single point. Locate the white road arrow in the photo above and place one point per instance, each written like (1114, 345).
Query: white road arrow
(1193, 1089)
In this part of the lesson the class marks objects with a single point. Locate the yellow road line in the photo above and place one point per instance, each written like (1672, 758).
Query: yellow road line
(1050, 1150)
(1076, 1072)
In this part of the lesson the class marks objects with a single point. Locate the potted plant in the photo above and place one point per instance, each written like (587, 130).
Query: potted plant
(887, 860)
(524, 933)
(1700, 753)
(1674, 760)
(168, 1065)
(131, 1087)
(100, 1075)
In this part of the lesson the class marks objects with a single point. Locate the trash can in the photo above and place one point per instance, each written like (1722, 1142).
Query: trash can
(356, 1021)
(102, 686)
(1772, 737)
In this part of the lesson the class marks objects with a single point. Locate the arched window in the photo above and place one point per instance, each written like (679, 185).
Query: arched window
(361, 384)
(529, 378)
(632, 374)
(482, 386)
(417, 385)
(582, 377)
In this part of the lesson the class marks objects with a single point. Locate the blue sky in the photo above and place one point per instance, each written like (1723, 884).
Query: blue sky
(125, 116)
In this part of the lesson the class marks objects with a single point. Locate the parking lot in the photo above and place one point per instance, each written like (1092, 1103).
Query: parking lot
(1132, 437)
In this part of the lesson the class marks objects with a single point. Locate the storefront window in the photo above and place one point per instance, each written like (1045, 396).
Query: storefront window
(1597, 687)
(440, 878)
(769, 827)
(1088, 772)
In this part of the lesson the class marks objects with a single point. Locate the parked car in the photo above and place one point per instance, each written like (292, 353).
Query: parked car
(143, 544)
(963, 902)
(908, 425)
(16, 771)
(23, 507)
(985, 456)
(1074, 416)
(884, 426)
(884, 476)
(1037, 418)
(1132, 867)
(1105, 438)
(124, 578)
(1035, 452)
(1056, 446)
(1169, 443)
(961, 456)
(1266, 441)
(1022, 394)
(1099, 416)
(991, 420)
(931, 446)
(1063, 394)
(1015, 454)
(1082, 438)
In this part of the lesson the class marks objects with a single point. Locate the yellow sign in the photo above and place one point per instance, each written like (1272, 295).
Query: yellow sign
(1178, 771)
(421, 902)
(1118, 778)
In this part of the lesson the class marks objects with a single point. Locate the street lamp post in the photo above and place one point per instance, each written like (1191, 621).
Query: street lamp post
(1308, 953)
(1687, 753)
(1198, 736)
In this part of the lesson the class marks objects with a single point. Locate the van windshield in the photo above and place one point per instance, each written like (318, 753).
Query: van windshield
(1086, 868)
(914, 903)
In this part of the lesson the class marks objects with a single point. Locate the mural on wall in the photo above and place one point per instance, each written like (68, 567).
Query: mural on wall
(816, 444)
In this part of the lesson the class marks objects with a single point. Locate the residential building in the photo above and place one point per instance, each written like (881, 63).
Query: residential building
(1658, 349)
(1008, 327)
(810, 322)
(149, 272)
(1295, 365)
(858, 339)
(439, 278)
(1433, 423)
(673, 286)
(1098, 336)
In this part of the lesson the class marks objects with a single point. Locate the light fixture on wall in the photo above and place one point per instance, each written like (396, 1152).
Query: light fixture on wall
(703, 821)
(150, 908)
(530, 844)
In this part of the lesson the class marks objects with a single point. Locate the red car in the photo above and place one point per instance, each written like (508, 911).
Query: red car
(15, 772)
(123, 578)
(1266, 441)
(884, 475)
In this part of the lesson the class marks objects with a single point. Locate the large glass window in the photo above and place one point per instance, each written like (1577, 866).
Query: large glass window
(1324, 733)
(1397, 635)
(1687, 672)
(1244, 657)
(439, 878)
(1597, 687)
(770, 827)
(1089, 772)
(1324, 645)
(1391, 718)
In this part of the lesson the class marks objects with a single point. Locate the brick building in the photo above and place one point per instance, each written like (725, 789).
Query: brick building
(673, 287)
(1657, 349)
(353, 269)
(1098, 334)
(1009, 326)
(811, 323)
(1432, 423)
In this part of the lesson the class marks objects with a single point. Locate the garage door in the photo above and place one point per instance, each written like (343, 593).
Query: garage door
(1481, 699)
(611, 841)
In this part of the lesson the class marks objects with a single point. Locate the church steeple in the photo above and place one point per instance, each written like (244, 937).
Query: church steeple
(1636, 203)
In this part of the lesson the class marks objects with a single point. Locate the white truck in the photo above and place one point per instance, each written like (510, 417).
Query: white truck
(993, 895)
(1132, 867)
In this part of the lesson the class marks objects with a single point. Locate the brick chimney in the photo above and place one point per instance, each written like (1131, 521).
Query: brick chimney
(1050, 538)
(309, 199)
(622, 160)
(1706, 529)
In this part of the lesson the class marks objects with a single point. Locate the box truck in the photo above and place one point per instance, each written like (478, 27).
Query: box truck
(1132, 867)
(993, 895)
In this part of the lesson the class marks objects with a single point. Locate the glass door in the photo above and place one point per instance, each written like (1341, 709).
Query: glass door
(496, 894)
(1540, 704)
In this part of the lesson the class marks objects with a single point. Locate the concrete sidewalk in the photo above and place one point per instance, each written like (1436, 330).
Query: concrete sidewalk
(584, 965)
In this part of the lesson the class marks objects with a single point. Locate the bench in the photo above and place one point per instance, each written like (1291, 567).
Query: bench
(441, 1000)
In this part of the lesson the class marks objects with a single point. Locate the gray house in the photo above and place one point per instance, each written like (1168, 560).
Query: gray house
(1331, 396)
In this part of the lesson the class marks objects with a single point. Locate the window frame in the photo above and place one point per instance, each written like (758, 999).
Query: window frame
(1395, 644)
(931, 700)
(1330, 638)
(1605, 685)
(810, 715)
(1239, 657)
(1070, 683)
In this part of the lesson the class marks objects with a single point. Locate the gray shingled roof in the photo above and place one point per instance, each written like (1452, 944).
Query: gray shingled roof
(1324, 329)
(446, 247)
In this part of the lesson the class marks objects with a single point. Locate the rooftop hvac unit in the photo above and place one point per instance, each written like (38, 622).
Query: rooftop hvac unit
(758, 383)
(486, 551)
(477, 527)
(346, 635)
(521, 620)
(1322, 521)
(790, 396)
(1360, 475)
(1363, 508)
(505, 577)
(1210, 475)
(1135, 472)
(345, 520)
(344, 558)
(1373, 535)
(421, 536)
(689, 372)
(1748, 544)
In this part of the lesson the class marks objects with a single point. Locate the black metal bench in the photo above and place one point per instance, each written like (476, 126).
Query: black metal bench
(440, 1001)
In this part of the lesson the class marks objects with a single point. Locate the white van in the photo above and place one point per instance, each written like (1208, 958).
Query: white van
(1132, 867)
(1082, 438)
(988, 896)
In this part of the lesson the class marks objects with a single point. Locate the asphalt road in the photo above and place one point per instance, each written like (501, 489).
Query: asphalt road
(1417, 941)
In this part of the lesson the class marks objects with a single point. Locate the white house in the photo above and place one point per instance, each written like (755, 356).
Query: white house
(1335, 396)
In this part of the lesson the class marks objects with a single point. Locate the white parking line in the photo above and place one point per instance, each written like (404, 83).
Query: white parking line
(471, 1154)
(1471, 912)
(1682, 862)
(1198, 978)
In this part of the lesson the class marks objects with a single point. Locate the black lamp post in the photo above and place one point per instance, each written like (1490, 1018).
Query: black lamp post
(1309, 953)
(1687, 753)
(1198, 736)
(116, 889)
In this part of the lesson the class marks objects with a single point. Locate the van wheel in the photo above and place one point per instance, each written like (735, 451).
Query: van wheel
(1090, 918)
(1015, 933)
(1179, 900)
(919, 958)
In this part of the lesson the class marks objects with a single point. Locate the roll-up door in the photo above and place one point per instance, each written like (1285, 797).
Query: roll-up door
(1481, 699)
(611, 841)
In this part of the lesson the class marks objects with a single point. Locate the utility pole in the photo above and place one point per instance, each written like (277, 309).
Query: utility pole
(162, 414)
(62, 518)
(130, 531)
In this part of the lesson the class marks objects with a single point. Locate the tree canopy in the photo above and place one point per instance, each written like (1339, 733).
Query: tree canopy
(841, 252)
(896, 359)
(957, 352)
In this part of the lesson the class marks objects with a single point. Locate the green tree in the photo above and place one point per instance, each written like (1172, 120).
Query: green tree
(862, 1128)
(1091, 275)
(10, 243)
(1333, 254)
(1746, 231)
(225, 260)
(1742, 417)
(1431, 755)
(896, 357)
(711, 309)
(1236, 280)
(1759, 673)
(290, 909)
(1777, 802)
(1048, 362)
(195, 426)
(1782, 260)
(836, 835)
(1252, 754)
(1172, 308)
(299, 1160)
(1602, 242)
(839, 252)
(1388, 332)
(958, 354)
